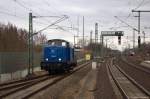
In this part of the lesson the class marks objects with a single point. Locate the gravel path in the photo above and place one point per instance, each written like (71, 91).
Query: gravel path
(68, 88)
(104, 87)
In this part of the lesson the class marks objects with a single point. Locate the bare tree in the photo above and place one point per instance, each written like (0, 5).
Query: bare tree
(39, 40)
(12, 38)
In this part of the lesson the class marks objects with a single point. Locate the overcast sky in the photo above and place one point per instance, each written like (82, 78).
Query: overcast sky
(100, 11)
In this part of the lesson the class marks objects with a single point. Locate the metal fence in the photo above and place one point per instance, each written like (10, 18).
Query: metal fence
(14, 61)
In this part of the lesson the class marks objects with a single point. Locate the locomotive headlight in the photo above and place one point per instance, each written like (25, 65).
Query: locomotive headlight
(59, 59)
(46, 59)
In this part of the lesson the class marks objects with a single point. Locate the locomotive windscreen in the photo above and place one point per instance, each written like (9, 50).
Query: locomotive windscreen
(58, 42)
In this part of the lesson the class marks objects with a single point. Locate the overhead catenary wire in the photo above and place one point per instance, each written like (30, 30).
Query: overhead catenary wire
(49, 5)
(118, 27)
(11, 14)
(59, 20)
(48, 21)
(69, 20)
(128, 16)
(54, 16)
(16, 1)
(146, 2)
(58, 27)
(25, 7)
(29, 9)
(126, 23)
(44, 24)
(140, 4)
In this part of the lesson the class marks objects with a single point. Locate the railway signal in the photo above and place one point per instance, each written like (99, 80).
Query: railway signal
(111, 33)
(119, 34)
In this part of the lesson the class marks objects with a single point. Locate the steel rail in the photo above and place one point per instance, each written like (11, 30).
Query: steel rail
(125, 96)
(55, 81)
(7, 91)
(141, 68)
(37, 81)
(22, 80)
(134, 82)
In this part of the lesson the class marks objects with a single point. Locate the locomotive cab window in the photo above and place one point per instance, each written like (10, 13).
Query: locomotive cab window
(53, 43)
(58, 43)
(64, 44)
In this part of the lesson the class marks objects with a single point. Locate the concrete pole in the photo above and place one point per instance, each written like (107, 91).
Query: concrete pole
(83, 32)
(30, 47)
(91, 37)
(143, 37)
(74, 40)
(139, 37)
(133, 38)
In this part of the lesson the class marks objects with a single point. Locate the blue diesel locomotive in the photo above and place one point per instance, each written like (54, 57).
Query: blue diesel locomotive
(58, 56)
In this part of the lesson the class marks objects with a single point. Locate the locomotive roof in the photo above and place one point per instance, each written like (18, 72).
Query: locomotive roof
(58, 40)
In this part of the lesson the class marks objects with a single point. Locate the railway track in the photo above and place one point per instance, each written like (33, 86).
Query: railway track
(12, 87)
(141, 68)
(128, 87)
(29, 88)
(21, 80)
(137, 72)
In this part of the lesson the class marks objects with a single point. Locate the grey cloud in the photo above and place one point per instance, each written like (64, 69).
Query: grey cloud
(101, 11)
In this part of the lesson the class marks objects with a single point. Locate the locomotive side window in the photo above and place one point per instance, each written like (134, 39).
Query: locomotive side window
(64, 44)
